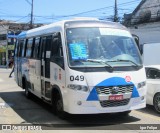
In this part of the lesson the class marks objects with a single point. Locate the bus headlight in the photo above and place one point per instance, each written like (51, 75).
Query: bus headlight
(140, 85)
(78, 87)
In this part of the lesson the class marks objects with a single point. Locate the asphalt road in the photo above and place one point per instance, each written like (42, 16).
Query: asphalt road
(15, 108)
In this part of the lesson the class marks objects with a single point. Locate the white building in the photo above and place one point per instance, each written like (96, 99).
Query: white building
(145, 21)
(147, 33)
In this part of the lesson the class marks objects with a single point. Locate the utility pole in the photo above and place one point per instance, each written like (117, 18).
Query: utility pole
(31, 24)
(115, 19)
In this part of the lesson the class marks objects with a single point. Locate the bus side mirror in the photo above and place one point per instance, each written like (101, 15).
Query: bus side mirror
(136, 38)
(137, 41)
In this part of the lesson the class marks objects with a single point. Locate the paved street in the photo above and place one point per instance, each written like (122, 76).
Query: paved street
(15, 108)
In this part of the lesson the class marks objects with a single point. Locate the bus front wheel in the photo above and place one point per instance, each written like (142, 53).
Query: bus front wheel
(125, 113)
(57, 105)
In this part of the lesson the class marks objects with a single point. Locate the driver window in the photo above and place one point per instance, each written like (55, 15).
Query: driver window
(56, 51)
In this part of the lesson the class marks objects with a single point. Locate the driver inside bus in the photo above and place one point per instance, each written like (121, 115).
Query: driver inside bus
(111, 47)
(103, 48)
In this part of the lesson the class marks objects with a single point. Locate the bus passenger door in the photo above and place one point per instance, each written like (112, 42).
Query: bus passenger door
(45, 66)
(15, 62)
(42, 46)
(37, 68)
(57, 75)
(19, 63)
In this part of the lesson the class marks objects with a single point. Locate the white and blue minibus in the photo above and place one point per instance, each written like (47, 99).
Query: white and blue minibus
(81, 66)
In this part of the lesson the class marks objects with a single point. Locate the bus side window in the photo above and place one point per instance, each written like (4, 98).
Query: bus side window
(29, 48)
(36, 48)
(20, 46)
(32, 47)
(24, 48)
(48, 46)
(16, 49)
(41, 47)
(57, 52)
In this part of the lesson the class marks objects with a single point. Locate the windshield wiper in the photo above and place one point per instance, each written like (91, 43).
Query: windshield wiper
(97, 61)
(120, 60)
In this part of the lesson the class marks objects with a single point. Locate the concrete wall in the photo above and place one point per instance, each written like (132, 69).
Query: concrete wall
(148, 33)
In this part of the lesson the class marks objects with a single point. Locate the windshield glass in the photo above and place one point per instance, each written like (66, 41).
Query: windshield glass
(92, 47)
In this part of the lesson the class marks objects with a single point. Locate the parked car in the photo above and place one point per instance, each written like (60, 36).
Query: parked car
(153, 86)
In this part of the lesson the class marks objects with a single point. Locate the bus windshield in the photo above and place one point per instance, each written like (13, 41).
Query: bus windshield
(93, 47)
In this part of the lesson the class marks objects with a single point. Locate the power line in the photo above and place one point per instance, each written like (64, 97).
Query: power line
(103, 8)
(95, 10)
(1, 11)
(14, 16)
(21, 18)
(81, 13)
(28, 2)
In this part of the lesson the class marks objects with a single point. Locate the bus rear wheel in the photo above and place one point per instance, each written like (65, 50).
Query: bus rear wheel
(27, 92)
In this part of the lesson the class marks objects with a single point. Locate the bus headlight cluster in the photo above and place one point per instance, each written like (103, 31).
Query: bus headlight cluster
(140, 85)
(78, 87)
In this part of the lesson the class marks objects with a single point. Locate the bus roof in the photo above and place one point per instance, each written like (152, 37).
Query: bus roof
(76, 22)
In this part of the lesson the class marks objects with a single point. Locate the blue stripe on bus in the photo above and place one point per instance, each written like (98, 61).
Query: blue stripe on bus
(114, 81)
(22, 35)
(135, 93)
(93, 95)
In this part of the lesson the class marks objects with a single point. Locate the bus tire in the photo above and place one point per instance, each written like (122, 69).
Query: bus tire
(125, 113)
(23, 83)
(57, 106)
(27, 92)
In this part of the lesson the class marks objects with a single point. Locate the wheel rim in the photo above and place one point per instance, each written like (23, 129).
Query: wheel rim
(59, 105)
(157, 103)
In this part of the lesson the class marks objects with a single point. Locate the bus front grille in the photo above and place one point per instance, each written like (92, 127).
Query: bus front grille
(108, 89)
(109, 103)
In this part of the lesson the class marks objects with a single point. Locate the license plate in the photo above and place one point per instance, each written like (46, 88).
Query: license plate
(116, 97)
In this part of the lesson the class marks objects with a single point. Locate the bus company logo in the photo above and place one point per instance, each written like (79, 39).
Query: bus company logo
(114, 90)
(55, 74)
(128, 79)
(60, 75)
